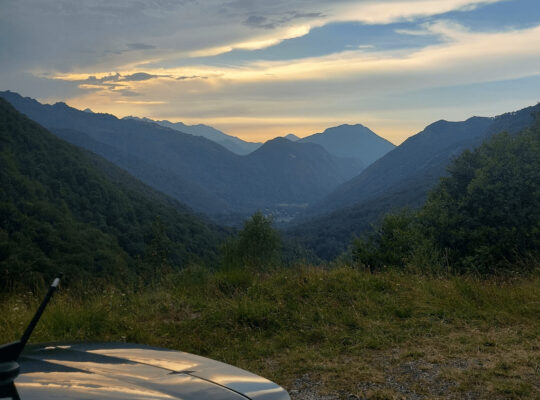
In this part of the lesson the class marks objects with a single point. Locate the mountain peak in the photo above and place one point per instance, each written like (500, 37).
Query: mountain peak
(346, 129)
(133, 118)
(352, 141)
(280, 146)
(277, 141)
(292, 137)
(349, 126)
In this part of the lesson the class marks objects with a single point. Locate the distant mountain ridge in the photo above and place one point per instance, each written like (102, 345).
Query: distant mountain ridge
(195, 170)
(424, 155)
(400, 178)
(302, 168)
(232, 143)
(352, 141)
(292, 137)
(345, 141)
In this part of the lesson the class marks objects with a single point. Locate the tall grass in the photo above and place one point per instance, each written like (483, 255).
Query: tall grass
(340, 326)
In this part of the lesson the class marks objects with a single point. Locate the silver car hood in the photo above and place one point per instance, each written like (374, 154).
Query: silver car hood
(128, 371)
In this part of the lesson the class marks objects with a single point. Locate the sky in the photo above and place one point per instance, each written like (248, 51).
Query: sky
(258, 69)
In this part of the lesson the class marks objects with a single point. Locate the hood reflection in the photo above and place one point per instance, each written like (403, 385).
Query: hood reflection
(75, 385)
(122, 371)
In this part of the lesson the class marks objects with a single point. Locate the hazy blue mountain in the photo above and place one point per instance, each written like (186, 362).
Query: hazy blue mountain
(400, 178)
(66, 209)
(353, 141)
(160, 178)
(304, 170)
(423, 156)
(232, 143)
(197, 171)
(292, 137)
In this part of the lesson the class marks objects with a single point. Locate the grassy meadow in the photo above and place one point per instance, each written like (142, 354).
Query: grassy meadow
(336, 332)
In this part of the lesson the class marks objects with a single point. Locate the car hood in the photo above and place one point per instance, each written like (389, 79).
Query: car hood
(128, 371)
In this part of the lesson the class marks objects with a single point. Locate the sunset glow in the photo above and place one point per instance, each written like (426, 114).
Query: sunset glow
(263, 69)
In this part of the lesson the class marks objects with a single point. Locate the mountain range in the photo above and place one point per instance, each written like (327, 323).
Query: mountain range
(345, 141)
(232, 143)
(280, 177)
(401, 178)
(319, 179)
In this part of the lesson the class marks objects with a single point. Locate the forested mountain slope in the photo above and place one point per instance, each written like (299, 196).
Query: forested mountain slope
(401, 178)
(64, 209)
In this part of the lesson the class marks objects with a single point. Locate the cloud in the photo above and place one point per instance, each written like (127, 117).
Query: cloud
(351, 86)
(141, 76)
(259, 21)
(300, 15)
(284, 23)
(140, 46)
(104, 54)
(386, 12)
(140, 102)
(117, 77)
(184, 77)
(464, 56)
(265, 22)
(120, 83)
(128, 93)
(63, 37)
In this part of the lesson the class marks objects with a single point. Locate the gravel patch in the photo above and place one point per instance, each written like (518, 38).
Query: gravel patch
(414, 380)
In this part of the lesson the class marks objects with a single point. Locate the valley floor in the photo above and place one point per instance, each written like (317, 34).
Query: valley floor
(334, 333)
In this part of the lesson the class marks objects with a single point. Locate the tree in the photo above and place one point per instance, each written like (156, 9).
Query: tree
(393, 243)
(257, 245)
(486, 213)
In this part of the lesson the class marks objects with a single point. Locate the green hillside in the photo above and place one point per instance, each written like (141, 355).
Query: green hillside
(64, 209)
(483, 217)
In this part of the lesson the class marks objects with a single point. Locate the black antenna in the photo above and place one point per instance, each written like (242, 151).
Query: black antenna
(10, 352)
(9, 391)
(37, 316)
